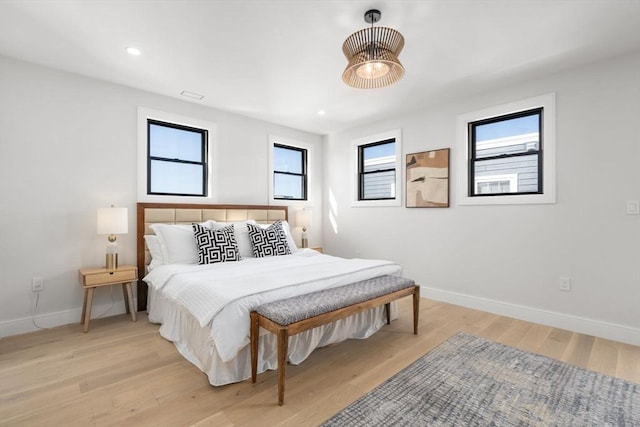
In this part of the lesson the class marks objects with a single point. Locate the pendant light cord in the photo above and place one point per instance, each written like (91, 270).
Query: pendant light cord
(371, 50)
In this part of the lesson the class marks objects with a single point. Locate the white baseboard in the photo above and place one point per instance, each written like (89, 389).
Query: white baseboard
(611, 331)
(569, 322)
(51, 320)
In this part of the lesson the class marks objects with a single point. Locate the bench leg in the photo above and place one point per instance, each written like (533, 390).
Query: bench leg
(416, 309)
(255, 339)
(387, 311)
(283, 343)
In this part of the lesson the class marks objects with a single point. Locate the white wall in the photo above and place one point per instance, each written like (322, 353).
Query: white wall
(67, 147)
(507, 259)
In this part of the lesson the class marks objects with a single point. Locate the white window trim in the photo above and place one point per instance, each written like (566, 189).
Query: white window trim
(355, 144)
(147, 113)
(275, 139)
(548, 103)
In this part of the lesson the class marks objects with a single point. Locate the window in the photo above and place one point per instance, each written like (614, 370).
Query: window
(378, 170)
(176, 160)
(506, 154)
(289, 172)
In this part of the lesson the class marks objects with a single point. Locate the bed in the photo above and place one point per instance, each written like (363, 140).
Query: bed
(204, 308)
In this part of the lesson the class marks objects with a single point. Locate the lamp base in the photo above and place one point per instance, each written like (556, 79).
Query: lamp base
(303, 237)
(112, 261)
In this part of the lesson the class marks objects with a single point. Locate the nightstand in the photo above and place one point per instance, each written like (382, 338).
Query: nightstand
(317, 249)
(92, 278)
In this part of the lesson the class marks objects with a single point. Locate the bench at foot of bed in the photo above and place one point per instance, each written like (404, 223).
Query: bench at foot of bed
(291, 316)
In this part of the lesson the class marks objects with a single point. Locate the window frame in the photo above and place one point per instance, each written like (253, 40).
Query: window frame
(362, 173)
(395, 134)
(144, 114)
(547, 158)
(304, 157)
(203, 147)
(274, 140)
(473, 158)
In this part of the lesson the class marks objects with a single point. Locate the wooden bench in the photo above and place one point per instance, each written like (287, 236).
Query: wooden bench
(291, 316)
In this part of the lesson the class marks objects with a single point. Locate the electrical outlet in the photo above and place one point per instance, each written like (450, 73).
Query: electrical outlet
(37, 284)
(565, 284)
(633, 207)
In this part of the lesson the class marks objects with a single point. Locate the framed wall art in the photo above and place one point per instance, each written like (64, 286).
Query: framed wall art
(428, 179)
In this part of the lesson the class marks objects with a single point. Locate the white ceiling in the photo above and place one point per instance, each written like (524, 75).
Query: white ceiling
(281, 60)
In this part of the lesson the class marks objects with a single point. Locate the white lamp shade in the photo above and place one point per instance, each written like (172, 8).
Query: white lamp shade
(303, 218)
(112, 221)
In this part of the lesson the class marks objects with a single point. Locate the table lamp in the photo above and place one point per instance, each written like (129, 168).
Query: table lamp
(112, 221)
(303, 219)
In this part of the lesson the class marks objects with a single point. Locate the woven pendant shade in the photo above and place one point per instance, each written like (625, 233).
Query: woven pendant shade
(373, 56)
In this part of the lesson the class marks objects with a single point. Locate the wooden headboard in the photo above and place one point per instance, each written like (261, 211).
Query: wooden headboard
(179, 213)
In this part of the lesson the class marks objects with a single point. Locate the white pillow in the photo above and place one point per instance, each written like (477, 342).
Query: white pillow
(287, 231)
(178, 243)
(155, 248)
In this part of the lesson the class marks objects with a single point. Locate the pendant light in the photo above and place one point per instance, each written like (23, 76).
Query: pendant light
(373, 55)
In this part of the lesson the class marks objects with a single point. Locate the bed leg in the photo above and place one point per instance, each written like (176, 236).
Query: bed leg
(283, 343)
(255, 338)
(416, 309)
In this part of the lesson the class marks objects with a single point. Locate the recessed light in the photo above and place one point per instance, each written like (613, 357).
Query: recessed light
(133, 51)
(321, 112)
(192, 95)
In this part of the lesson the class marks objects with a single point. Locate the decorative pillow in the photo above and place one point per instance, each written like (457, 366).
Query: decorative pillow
(287, 231)
(215, 245)
(270, 241)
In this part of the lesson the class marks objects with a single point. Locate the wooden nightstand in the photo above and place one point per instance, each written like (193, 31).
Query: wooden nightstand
(317, 249)
(92, 278)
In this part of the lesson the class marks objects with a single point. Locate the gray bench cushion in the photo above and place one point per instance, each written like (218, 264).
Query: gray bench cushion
(294, 309)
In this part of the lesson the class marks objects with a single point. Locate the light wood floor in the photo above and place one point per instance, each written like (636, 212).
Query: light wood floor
(124, 373)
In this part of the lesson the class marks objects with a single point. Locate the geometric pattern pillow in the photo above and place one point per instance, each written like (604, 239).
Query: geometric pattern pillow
(216, 245)
(270, 241)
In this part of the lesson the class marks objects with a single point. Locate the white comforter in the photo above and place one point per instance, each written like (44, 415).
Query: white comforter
(225, 293)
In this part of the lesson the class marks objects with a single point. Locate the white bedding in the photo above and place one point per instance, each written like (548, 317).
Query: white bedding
(217, 298)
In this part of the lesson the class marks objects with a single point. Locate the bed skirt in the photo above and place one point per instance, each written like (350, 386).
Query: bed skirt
(196, 345)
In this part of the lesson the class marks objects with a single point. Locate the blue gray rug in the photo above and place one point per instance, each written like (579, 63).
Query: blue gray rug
(469, 381)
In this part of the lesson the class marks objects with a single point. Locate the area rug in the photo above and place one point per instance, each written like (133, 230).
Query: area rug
(469, 381)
